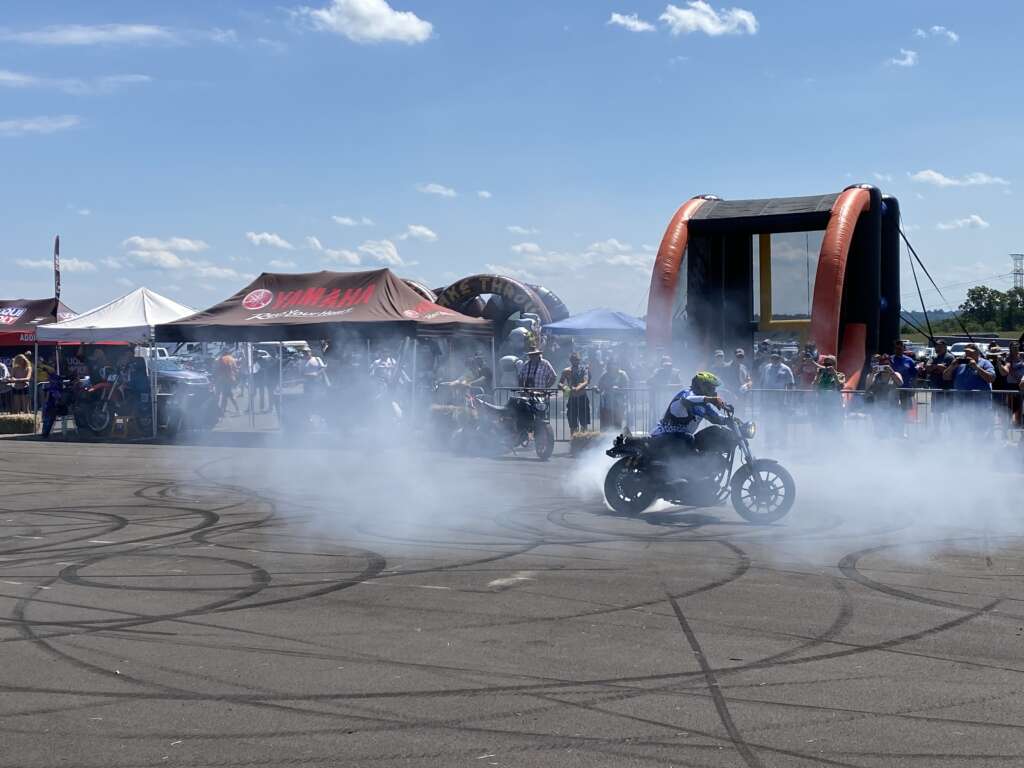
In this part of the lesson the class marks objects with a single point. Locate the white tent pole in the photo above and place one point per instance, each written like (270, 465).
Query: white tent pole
(35, 385)
(412, 400)
(252, 409)
(152, 378)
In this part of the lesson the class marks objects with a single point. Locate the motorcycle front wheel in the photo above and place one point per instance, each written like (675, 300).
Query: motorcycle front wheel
(544, 441)
(100, 421)
(626, 490)
(763, 493)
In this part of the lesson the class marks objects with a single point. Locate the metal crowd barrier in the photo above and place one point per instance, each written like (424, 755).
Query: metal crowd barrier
(795, 414)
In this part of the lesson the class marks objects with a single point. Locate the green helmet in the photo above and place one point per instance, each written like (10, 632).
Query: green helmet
(705, 383)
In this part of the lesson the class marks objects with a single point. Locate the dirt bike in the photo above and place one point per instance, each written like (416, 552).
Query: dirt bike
(64, 396)
(761, 490)
(499, 429)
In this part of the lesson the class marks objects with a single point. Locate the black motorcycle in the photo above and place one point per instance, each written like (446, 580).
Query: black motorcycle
(762, 491)
(497, 429)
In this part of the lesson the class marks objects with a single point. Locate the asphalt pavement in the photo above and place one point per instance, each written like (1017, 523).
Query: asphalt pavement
(246, 604)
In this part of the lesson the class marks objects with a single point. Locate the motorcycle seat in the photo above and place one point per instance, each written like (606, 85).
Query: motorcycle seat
(490, 406)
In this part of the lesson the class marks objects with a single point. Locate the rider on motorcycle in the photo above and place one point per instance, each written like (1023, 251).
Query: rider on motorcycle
(674, 434)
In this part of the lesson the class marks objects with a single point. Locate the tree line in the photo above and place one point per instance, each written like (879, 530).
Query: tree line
(984, 309)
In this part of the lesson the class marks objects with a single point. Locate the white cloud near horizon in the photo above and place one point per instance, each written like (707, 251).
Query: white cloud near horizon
(976, 179)
(67, 264)
(271, 239)
(115, 34)
(515, 229)
(383, 251)
(433, 188)
(165, 254)
(75, 86)
(699, 16)
(42, 125)
(974, 221)
(938, 31)
(483, 194)
(513, 272)
(338, 256)
(905, 59)
(525, 248)
(185, 244)
(630, 21)
(419, 232)
(350, 221)
(368, 21)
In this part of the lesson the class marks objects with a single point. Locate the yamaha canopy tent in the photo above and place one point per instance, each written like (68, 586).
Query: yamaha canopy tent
(314, 305)
(599, 324)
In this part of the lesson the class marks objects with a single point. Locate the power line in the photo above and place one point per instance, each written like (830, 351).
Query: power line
(972, 281)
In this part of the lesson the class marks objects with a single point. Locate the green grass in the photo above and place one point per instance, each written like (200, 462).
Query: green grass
(920, 338)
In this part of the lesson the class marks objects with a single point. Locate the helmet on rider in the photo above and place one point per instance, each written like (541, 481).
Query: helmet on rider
(705, 383)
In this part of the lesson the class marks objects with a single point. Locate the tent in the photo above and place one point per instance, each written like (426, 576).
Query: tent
(19, 318)
(128, 319)
(599, 324)
(313, 305)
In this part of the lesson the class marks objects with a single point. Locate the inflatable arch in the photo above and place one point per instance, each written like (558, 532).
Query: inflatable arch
(703, 280)
(508, 296)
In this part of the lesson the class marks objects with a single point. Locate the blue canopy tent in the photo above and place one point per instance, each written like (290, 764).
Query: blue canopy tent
(599, 324)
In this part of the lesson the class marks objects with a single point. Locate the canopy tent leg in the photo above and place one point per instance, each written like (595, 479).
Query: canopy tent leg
(35, 387)
(249, 385)
(280, 383)
(412, 399)
(152, 381)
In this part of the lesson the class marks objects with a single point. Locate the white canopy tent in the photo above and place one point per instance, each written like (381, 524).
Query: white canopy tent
(128, 319)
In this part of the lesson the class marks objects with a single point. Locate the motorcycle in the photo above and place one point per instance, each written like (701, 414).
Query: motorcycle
(502, 428)
(111, 397)
(761, 490)
(65, 396)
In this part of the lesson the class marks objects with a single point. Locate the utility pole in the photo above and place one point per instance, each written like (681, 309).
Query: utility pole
(1018, 269)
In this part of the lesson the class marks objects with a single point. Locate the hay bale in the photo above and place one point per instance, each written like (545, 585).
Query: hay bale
(582, 441)
(17, 424)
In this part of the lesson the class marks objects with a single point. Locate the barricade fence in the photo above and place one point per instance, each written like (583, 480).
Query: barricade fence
(792, 414)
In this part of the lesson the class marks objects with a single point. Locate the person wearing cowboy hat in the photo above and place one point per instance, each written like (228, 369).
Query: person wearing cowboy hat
(537, 373)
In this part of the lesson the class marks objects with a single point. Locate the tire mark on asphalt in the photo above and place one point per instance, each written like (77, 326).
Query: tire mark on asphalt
(721, 706)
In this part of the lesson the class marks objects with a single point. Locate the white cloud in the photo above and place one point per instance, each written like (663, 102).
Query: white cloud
(630, 21)
(83, 212)
(185, 244)
(525, 248)
(369, 21)
(436, 189)
(67, 264)
(160, 259)
(112, 263)
(349, 221)
(649, 248)
(609, 247)
(281, 264)
(213, 272)
(98, 34)
(882, 176)
(275, 46)
(513, 272)
(515, 229)
(974, 221)
(38, 125)
(905, 59)
(483, 194)
(976, 179)
(269, 238)
(938, 31)
(341, 256)
(383, 251)
(699, 16)
(419, 232)
(72, 85)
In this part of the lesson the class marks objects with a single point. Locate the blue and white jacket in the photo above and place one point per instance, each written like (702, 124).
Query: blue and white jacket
(685, 414)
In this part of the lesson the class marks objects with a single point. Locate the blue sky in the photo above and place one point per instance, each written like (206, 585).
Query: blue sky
(187, 146)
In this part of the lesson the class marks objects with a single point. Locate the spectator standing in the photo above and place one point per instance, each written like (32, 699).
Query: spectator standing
(574, 381)
(612, 385)
(906, 367)
(718, 364)
(537, 372)
(21, 380)
(972, 377)
(828, 383)
(937, 382)
(1015, 380)
(882, 394)
(762, 355)
(225, 374)
(807, 371)
(665, 375)
(776, 378)
(5, 388)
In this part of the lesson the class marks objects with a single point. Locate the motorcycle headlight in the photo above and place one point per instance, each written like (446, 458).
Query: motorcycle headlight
(749, 430)
(540, 407)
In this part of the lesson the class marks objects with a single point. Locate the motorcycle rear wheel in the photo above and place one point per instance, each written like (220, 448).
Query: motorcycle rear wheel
(765, 502)
(544, 441)
(100, 421)
(625, 489)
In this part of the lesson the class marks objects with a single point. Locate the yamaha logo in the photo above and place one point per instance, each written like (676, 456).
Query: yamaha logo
(257, 299)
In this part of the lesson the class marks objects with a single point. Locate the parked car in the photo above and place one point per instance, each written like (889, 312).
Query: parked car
(957, 350)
